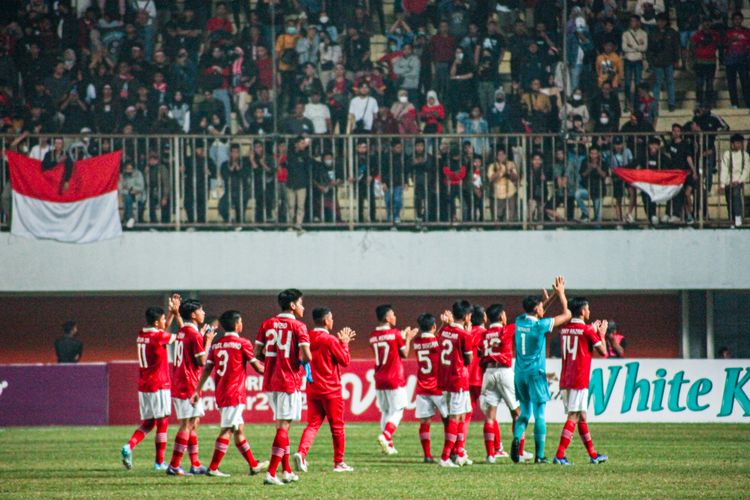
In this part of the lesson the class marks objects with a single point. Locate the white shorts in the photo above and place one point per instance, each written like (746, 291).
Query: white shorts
(391, 400)
(426, 406)
(154, 404)
(183, 408)
(459, 403)
(231, 417)
(286, 406)
(498, 385)
(575, 399)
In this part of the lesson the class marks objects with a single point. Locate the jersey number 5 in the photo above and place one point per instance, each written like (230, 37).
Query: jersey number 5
(424, 357)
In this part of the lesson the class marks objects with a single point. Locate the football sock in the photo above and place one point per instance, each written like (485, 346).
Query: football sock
(450, 439)
(389, 430)
(522, 444)
(424, 438)
(245, 451)
(459, 449)
(522, 421)
(220, 449)
(498, 440)
(193, 449)
(278, 450)
(285, 465)
(583, 430)
(565, 436)
(180, 445)
(489, 438)
(161, 439)
(140, 432)
(540, 429)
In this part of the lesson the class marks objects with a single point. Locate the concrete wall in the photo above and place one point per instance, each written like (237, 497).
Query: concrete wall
(381, 261)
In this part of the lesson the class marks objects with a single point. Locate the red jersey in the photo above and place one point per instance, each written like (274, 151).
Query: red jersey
(577, 341)
(453, 374)
(229, 357)
(187, 347)
(496, 345)
(387, 343)
(280, 338)
(329, 355)
(476, 372)
(153, 364)
(428, 357)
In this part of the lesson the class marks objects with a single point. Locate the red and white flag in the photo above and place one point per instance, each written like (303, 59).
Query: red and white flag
(85, 212)
(660, 185)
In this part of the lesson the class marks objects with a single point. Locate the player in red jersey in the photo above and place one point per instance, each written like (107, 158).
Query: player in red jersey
(324, 398)
(390, 346)
(153, 382)
(429, 397)
(453, 378)
(577, 342)
(228, 359)
(190, 351)
(496, 351)
(283, 342)
(476, 371)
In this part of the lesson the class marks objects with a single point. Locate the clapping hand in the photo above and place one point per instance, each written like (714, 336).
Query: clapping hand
(346, 335)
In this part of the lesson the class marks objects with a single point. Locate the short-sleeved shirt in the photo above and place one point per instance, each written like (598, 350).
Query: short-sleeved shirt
(577, 342)
(386, 343)
(496, 345)
(281, 338)
(428, 357)
(68, 349)
(328, 356)
(475, 370)
(453, 374)
(229, 357)
(531, 345)
(188, 346)
(153, 362)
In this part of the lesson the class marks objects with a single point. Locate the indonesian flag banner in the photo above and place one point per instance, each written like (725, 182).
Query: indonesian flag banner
(660, 185)
(85, 212)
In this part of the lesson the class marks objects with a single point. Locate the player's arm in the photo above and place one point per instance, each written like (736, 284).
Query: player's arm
(303, 340)
(467, 344)
(548, 298)
(409, 334)
(204, 376)
(249, 355)
(258, 366)
(340, 349)
(601, 331)
(559, 288)
(208, 338)
(174, 311)
(260, 346)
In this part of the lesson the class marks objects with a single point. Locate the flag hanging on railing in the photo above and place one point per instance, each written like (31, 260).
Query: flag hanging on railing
(83, 211)
(660, 185)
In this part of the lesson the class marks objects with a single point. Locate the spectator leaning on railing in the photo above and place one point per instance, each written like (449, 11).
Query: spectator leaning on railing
(734, 173)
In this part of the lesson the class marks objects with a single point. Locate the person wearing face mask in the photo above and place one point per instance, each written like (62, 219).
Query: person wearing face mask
(461, 84)
(432, 114)
(326, 26)
(575, 106)
(405, 114)
(287, 58)
(327, 178)
(498, 117)
(607, 100)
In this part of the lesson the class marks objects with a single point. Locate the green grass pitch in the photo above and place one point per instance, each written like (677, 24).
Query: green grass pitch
(652, 461)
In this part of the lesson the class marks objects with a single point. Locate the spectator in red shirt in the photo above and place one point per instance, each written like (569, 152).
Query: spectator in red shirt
(736, 45)
(219, 28)
(433, 114)
(704, 44)
(442, 48)
(453, 173)
(215, 73)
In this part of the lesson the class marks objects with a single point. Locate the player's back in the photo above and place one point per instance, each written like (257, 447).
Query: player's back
(153, 362)
(475, 369)
(188, 346)
(453, 374)
(387, 343)
(281, 337)
(531, 343)
(328, 355)
(230, 356)
(428, 356)
(492, 346)
(577, 340)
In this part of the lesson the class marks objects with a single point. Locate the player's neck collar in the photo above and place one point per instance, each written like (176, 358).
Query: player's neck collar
(320, 329)
(192, 325)
(577, 320)
(287, 315)
(231, 334)
(456, 325)
(150, 329)
(496, 325)
(383, 327)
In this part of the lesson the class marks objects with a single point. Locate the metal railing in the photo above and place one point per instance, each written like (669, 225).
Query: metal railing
(423, 182)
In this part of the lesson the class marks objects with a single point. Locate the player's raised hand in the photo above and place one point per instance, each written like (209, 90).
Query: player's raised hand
(208, 333)
(446, 317)
(174, 303)
(602, 328)
(410, 333)
(559, 285)
(346, 335)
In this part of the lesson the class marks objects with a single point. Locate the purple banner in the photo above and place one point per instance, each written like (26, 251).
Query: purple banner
(53, 394)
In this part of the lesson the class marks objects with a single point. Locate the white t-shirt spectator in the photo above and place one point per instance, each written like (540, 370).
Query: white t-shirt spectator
(318, 114)
(364, 108)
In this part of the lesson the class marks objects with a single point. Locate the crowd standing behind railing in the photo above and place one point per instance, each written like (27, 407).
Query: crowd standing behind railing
(364, 180)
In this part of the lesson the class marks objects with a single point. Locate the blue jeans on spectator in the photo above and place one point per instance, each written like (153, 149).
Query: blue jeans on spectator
(581, 196)
(129, 200)
(223, 96)
(149, 39)
(575, 76)
(664, 73)
(634, 73)
(394, 202)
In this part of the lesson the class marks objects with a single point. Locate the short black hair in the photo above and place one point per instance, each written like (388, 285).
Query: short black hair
(530, 303)
(577, 304)
(188, 307)
(426, 321)
(229, 319)
(68, 327)
(287, 297)
(494, 312)
(461, 308)
(153, 314)
(319, 313)
(382, 311)
(477, 315)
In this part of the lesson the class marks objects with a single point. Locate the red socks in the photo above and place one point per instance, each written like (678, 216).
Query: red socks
(140, 432)
(180, 445)
(279, 448)
(567, 434)
(389, 431)
(461, 430)
(424, 438)
(583, 430)
(161, 439)
(450, 439)
(193, 449)
(245, 451)
(220, 449)
(498, 441)
(489, 438)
